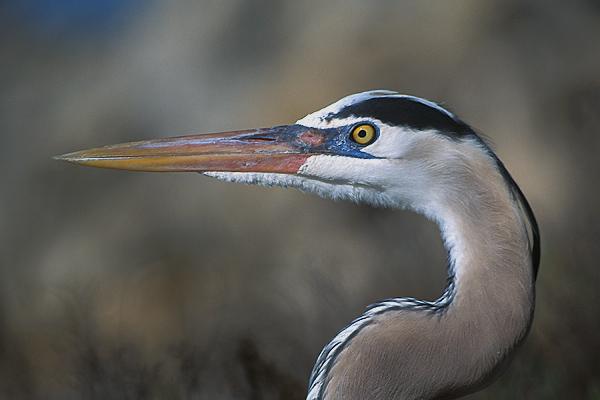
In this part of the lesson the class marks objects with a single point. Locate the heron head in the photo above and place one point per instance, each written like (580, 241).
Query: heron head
(378, 147)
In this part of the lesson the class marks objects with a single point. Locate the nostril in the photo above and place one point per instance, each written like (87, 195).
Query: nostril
(258, 139)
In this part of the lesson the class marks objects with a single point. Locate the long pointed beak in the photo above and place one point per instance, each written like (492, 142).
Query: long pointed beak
(281, 149)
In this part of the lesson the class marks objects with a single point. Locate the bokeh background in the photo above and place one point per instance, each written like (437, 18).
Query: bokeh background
(133, 286)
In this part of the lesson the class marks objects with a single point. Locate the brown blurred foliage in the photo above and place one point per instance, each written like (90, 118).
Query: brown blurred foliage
(122, 285)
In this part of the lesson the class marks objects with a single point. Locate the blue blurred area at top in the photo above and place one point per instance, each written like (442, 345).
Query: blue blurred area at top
(74, 17)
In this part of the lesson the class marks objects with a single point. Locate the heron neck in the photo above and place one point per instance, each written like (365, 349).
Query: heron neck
(491, 285)
(456, 344)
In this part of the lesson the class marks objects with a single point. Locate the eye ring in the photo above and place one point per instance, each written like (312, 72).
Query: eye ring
(363, 134)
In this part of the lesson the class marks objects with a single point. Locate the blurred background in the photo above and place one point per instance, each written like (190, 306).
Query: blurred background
(130, 285)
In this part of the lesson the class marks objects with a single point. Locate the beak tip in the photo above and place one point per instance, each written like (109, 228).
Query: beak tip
(69, 157)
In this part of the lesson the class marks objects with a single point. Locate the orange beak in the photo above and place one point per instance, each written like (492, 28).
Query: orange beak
(281, 149)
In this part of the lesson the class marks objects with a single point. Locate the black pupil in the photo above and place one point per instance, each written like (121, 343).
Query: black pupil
(362, 133)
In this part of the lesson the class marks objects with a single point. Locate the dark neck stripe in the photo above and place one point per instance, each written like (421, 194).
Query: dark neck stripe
(404, 111)
(532, 225)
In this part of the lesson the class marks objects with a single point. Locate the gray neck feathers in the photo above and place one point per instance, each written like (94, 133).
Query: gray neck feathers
(411, 349)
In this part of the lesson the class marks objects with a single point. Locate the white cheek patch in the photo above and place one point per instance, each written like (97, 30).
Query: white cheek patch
(371, 173)
(328, 166)
(331, 177)
(393, 142)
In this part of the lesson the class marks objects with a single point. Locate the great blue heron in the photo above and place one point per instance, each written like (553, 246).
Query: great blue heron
(387, 149)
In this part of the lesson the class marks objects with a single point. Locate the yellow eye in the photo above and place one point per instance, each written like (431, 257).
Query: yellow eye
(363, 134)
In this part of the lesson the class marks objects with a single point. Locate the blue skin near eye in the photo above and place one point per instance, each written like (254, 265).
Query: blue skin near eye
(341, 143)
